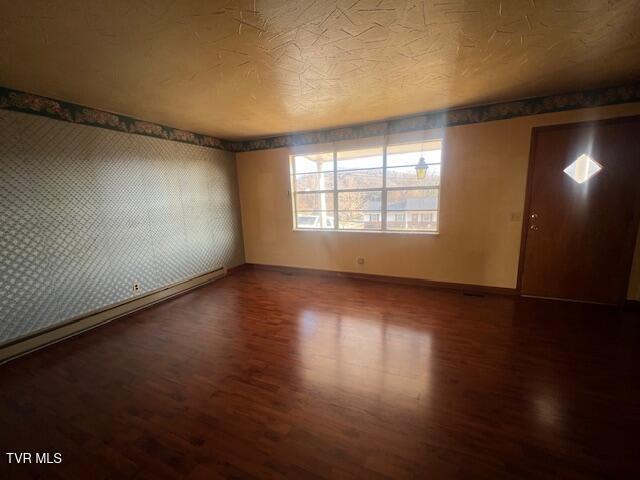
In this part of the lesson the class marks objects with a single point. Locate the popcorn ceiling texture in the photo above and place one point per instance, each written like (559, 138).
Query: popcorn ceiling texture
(85, 212)
(245, 69)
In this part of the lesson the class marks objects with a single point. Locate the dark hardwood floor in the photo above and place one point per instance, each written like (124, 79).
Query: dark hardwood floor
(269, 375)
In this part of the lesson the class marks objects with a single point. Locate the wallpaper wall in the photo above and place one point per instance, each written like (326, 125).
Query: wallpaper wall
(85, 212)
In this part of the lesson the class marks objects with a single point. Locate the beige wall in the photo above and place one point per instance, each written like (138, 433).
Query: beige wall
(483, 187)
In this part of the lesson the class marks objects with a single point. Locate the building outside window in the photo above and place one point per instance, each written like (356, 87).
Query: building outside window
(392, 188)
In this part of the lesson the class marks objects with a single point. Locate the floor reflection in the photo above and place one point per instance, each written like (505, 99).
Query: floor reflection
(364, 355)
(547, 409)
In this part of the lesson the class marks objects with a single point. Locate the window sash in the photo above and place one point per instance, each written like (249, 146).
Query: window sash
(383, 212)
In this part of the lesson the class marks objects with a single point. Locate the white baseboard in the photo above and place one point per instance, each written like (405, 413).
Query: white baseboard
(38, 340)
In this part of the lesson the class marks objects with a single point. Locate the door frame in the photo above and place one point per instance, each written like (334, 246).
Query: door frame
(526, 212)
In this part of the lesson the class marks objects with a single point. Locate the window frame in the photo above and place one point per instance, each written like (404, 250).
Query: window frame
(383, 213)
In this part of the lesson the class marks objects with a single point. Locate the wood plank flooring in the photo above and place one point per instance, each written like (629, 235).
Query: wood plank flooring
(268, 375)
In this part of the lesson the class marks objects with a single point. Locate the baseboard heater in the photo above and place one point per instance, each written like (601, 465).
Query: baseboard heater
(40, 339)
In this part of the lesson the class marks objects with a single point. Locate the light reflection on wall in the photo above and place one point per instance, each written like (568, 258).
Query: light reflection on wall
(364, 355)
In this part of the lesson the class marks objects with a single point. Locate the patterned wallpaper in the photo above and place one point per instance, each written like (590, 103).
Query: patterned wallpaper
(85, 212)
(71, 112)
(15, 100)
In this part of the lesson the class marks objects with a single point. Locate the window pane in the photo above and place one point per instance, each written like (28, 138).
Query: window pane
(314, 220)
(408, 177)
(314, 201)
(355, 159)
(319, 162)
(423, 221)
(313, 181)
(583, 168)
(412, 200)
(359, 200)
(409, 154)
(359, 220)
(368, 178)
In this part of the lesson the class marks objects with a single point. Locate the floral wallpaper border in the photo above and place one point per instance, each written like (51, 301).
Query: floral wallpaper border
(70, 112)
(459, 116)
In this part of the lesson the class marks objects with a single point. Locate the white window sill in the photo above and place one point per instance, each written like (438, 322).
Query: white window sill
(384, 232)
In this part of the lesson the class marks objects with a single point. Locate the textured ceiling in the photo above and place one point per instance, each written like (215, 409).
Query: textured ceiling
(244, 69)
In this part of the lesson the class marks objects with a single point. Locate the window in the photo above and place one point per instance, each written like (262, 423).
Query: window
(390, 188)
(583, 168)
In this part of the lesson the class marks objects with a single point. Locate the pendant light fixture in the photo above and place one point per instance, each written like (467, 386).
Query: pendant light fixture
(421, 167)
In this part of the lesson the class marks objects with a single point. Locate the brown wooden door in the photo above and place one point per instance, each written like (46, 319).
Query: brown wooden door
(580, 237)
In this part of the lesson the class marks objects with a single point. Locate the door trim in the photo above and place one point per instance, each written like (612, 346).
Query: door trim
(526, 212)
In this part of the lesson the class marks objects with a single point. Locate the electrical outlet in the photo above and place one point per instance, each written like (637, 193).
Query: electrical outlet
(360, 260)
(136, 288)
